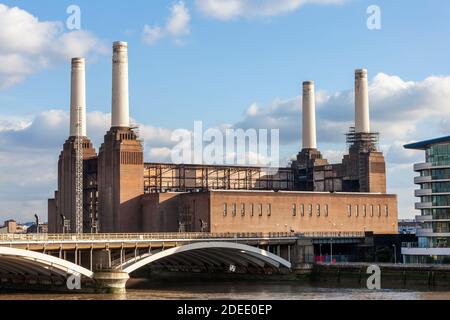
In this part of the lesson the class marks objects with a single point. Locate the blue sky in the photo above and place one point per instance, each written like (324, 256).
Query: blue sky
(213, 66)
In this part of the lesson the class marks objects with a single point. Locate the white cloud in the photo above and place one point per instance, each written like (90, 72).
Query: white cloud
(177, 26)
(160, 154)
(30, 45)
(230, 9)
(151, 35)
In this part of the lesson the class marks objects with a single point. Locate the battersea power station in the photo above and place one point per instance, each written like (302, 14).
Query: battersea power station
(123, 194)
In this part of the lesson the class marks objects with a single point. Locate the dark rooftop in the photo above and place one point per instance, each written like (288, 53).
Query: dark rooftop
(422, 145)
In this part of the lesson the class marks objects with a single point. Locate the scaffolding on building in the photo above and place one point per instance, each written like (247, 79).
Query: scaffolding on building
(79, 174)
(362, 141)
(161, 177)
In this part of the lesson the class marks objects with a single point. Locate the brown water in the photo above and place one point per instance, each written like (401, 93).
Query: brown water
(241, 290)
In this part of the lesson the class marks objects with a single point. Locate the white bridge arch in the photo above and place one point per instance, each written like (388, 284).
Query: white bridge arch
(212, 253)
(24, 262)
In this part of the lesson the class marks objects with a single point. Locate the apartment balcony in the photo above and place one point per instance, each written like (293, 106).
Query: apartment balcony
(422, 166)
(410, 250)
(422, 219)
(422, 232)
(423, 192)
(421, 180)
(423, 205)
(427, 166)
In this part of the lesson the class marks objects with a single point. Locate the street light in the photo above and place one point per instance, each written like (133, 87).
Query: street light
(37, 223)
(395, 253)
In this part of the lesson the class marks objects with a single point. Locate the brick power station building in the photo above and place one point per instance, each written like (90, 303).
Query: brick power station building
(122, 194)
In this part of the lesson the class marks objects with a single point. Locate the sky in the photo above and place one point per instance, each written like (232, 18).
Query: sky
(228, 63)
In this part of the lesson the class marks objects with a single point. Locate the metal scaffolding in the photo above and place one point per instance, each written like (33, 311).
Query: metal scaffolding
(160, 177)
(79, 175)
(364, 142)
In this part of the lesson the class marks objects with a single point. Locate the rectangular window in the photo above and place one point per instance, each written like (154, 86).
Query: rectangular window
(325, 209)
(294, 210)
(349, 210)
(269, 210)
(252, 208)
(364, 209)
(379, 210)
(225, 209)
(386, 210)
(260, 209)
(302, 210)
(242, 209)
(233, 209)
(318, 210)
(356, 211)
(371, 210)
(310, 210)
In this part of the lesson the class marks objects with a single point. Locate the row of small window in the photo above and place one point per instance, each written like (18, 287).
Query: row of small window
(373, 210)
(253, 209)
(261, 209)
(310, 210)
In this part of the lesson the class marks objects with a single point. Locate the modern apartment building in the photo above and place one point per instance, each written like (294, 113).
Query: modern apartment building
(434, 204)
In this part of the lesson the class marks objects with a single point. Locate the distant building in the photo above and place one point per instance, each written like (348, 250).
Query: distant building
(10, 226)
(434, 205)
(408, 226)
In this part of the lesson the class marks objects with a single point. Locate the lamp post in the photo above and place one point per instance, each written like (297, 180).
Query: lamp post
(37, 223)
(331, 250)
(395, 253)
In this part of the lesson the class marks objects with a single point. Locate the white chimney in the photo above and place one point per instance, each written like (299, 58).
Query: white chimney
(362, 119)
(309, 116)
(78, 97)
(120, 104)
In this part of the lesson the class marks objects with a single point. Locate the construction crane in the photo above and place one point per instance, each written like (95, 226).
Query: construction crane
(79, 174)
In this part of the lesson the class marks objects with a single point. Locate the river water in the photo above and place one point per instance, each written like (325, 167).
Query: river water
(237, 290)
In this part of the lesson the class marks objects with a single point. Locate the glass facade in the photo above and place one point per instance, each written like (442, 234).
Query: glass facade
(438, 154)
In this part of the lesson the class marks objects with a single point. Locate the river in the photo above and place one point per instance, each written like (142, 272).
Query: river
(237, 290)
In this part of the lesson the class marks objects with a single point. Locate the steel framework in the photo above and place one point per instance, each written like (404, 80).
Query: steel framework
(79, 175)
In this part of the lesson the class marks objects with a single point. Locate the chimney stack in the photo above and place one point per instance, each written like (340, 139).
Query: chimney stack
(309, 116)
(362, 119)
(120, 103)
(78, 97)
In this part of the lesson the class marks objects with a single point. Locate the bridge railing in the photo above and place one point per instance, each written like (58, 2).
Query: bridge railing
(139, 236)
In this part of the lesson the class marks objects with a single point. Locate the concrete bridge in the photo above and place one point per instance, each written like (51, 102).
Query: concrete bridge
(105, 261)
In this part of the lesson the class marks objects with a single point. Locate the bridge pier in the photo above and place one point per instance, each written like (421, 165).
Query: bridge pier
(111, 281)
(303, 257)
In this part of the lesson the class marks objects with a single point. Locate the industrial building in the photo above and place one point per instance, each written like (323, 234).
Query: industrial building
(121, 193)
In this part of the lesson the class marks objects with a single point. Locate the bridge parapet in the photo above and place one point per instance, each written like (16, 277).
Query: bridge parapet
(141, 236)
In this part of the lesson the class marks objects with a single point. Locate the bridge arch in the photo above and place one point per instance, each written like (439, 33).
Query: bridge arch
(22, 262)
(213, 253)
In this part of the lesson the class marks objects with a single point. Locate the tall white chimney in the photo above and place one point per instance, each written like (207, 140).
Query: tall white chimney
(309, 116)
(362, 118)
(120, 103)
(78, 97)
